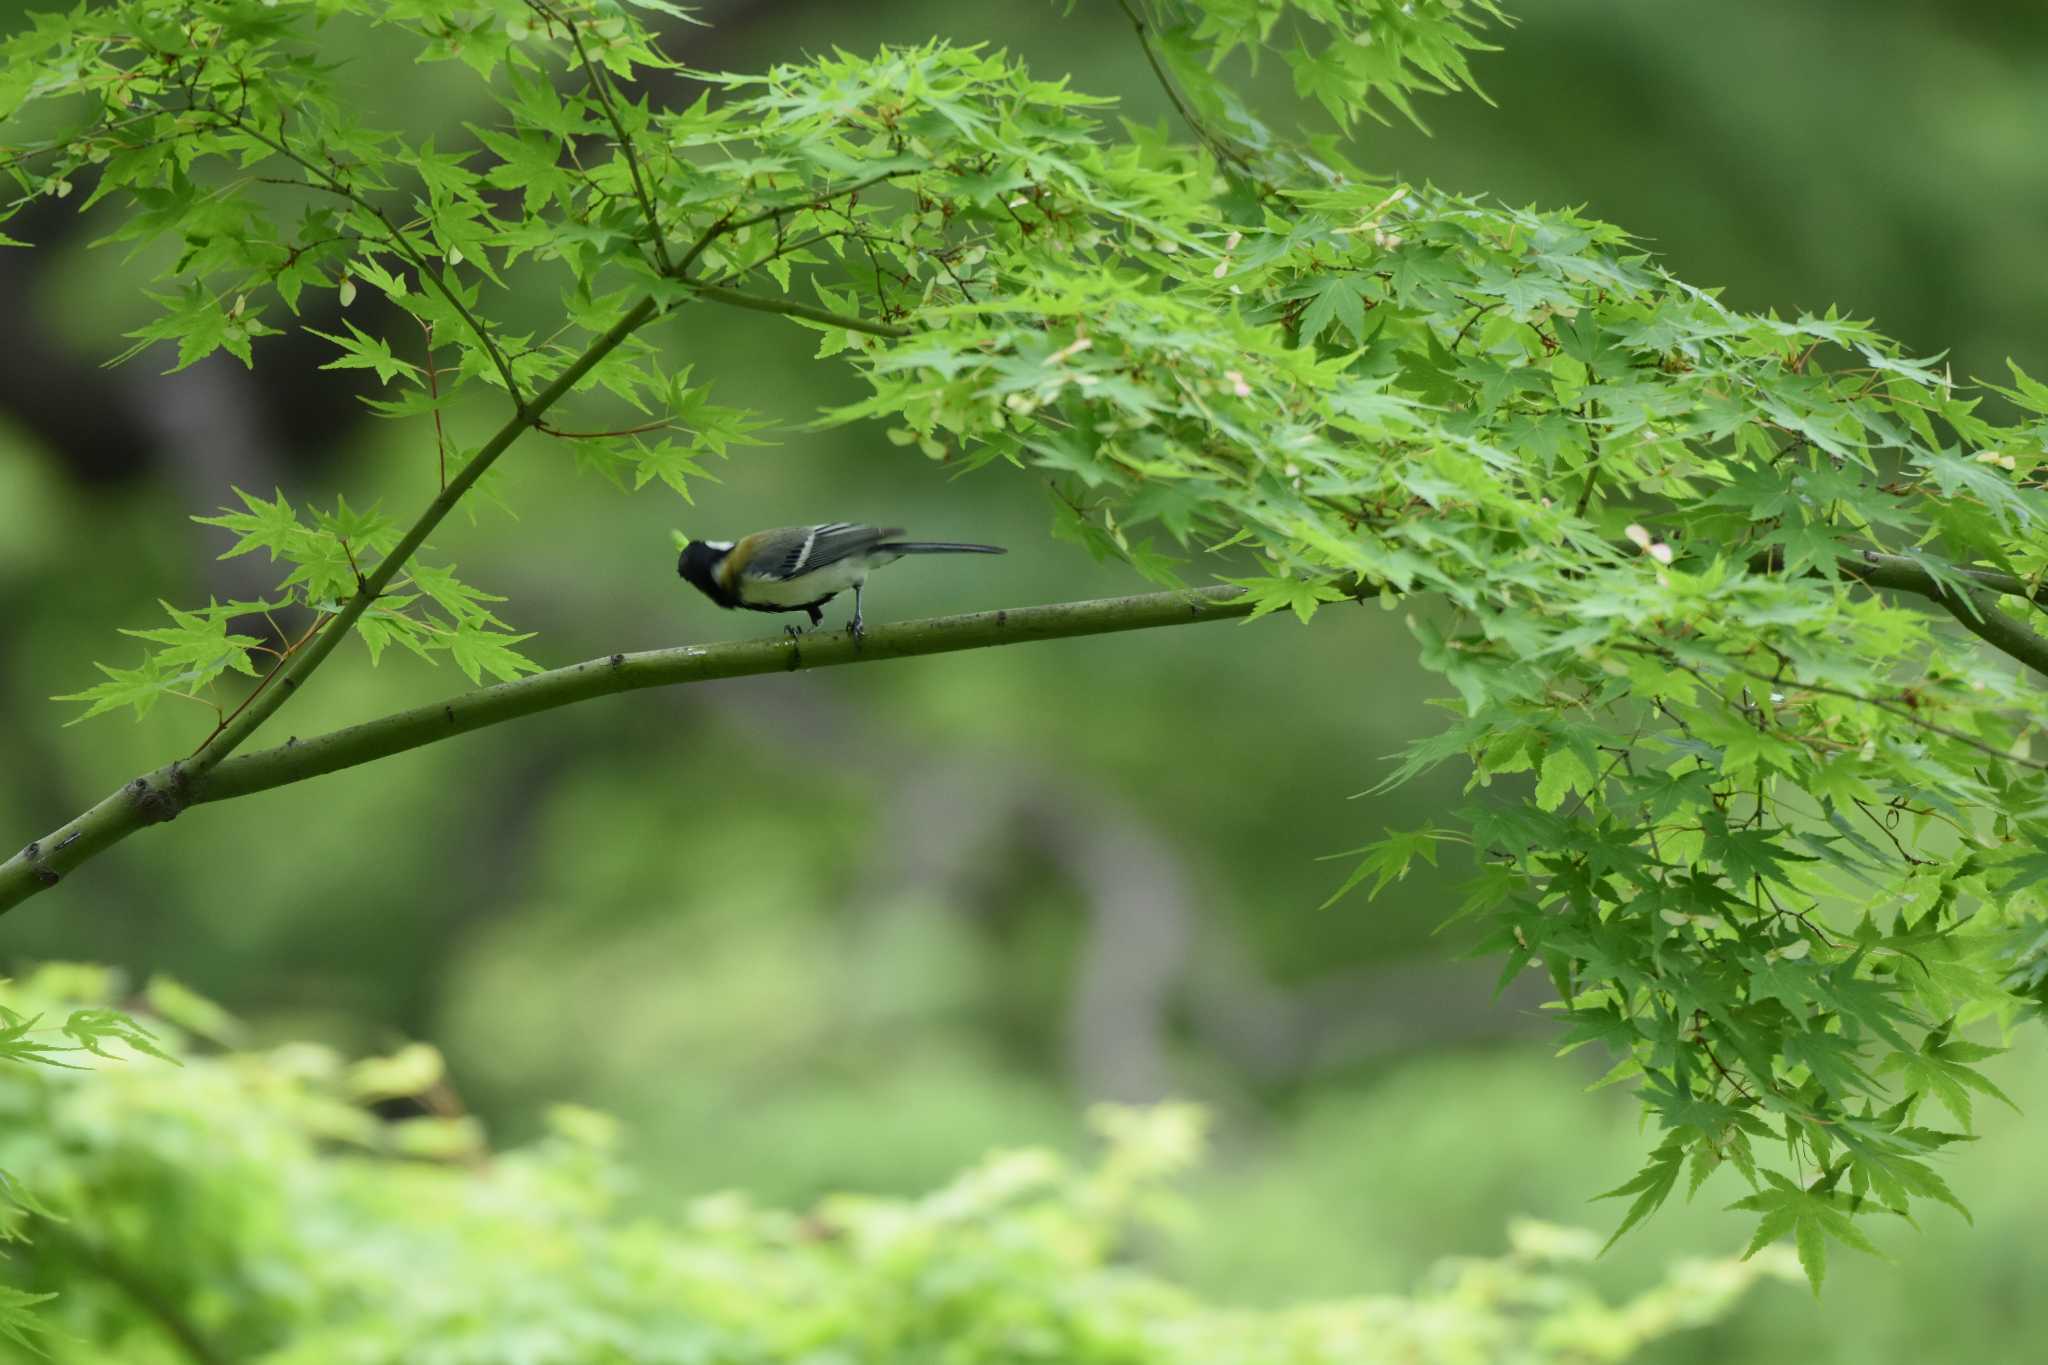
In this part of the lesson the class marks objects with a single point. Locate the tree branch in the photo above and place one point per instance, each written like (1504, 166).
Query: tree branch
(737, 299)
(159, 796)
(1974, 609)
(1216, 141)
(1909, 574)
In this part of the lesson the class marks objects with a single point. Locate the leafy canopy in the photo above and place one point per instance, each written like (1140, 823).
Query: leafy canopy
(1773, 831)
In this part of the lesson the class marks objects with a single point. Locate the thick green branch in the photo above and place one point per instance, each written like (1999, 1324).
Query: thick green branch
(1975, 609)
(158, 796)
(1971, 604)
(1908, 574)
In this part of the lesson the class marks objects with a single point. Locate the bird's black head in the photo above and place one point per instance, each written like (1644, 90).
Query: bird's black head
(698, 566)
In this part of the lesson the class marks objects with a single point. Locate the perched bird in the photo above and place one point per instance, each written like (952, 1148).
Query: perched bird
(800, 568)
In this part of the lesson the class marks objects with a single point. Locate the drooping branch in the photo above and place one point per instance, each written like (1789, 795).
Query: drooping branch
(1217, 142)
(159, 796)
(1973, 607)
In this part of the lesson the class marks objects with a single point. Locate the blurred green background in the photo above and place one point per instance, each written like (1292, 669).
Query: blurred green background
(850, 930)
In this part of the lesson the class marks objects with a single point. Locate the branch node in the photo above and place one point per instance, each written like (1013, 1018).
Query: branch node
(44, 875)
(159, 805)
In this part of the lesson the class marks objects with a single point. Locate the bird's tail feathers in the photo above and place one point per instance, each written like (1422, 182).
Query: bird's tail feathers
(937, 547)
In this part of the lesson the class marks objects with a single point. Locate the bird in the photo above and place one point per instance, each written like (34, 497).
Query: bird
(800, 568)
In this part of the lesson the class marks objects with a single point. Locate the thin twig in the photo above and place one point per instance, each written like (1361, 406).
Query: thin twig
(600, 81)
(659, 425)
(329, 184)
(1166, 82)
(789, 308)
(1470, 322)
(434, 394)
(726, 223)
(1885, 830)
(1590, 414)
(265, 680)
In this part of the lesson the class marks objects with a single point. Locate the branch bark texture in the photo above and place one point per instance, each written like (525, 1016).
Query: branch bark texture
(159, 796)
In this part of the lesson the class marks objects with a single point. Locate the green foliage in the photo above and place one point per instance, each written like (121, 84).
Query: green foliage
(1781, 833)
(250, 1207)
(89, 1031)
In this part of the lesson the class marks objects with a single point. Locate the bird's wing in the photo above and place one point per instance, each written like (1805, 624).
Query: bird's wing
(792, 551)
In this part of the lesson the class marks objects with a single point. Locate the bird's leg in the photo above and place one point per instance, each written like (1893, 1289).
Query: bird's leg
(856, 627)
(792, 631)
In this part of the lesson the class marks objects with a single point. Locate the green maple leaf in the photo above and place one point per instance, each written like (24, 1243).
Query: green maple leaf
(1942, 1068)
(1651, 1186)
(361, 351)
(1337, 298)
(272, 526)
(1386, 861)
(197, 646)
(137, 687)
(1812, 1217)
(478, 651)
